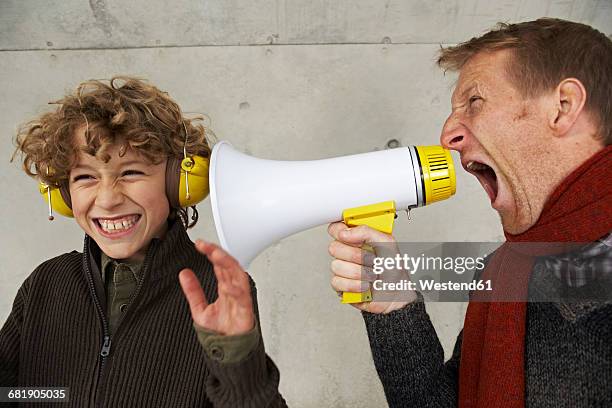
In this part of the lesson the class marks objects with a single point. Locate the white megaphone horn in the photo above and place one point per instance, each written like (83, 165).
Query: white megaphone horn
(257, 202)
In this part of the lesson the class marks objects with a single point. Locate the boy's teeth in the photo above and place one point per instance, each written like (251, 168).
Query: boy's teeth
(117, 225)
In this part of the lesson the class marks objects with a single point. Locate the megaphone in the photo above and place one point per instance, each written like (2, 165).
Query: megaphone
(257, 202)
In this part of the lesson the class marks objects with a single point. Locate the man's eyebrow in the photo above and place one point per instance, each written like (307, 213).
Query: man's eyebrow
(466, 91)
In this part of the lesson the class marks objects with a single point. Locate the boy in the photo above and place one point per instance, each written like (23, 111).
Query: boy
(111, 323)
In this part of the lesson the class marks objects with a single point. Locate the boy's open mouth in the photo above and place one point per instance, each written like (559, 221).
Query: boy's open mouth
(117, 225)
(487, 177)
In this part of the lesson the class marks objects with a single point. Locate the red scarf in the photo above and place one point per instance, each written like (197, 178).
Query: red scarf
(492, 369)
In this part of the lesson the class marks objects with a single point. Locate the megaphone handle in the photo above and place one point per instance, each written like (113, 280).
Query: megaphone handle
(380, 217)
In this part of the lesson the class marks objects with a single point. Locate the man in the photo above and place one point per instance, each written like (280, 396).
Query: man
(532, 120)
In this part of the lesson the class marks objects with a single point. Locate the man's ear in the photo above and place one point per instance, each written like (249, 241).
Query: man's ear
(569, 98)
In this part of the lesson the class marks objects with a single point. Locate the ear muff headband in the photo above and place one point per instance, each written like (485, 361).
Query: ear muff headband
(186, 185)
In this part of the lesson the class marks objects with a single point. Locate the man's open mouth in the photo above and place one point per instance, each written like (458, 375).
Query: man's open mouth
(487, 177)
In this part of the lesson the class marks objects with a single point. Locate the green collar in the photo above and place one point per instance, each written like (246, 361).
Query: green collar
(109, 265)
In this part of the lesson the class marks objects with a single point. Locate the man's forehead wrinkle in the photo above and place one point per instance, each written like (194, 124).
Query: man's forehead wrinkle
(462, 93)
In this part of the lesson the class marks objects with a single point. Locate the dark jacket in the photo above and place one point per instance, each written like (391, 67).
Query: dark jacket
(57, 335)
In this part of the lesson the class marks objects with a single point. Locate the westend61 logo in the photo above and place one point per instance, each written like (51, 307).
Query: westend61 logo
(412, 265)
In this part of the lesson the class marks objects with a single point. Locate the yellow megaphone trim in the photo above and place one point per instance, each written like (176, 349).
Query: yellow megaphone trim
(438, 172)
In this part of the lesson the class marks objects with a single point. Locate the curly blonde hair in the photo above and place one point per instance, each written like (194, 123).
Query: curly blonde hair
(126, 110)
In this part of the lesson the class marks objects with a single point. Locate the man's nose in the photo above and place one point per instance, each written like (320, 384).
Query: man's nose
(108, 195)
(453, 135)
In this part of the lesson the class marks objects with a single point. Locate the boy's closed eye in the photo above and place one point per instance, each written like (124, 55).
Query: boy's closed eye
(126, 173)
(82, 177)
(132, 173)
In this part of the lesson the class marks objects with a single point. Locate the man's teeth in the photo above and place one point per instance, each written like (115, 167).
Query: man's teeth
(118, 225)
(475, 166)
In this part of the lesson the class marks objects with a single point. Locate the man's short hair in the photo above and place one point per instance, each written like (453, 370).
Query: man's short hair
(544, 52)
(123, 110)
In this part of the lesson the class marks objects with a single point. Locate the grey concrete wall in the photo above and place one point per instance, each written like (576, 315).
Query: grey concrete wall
(294, 80)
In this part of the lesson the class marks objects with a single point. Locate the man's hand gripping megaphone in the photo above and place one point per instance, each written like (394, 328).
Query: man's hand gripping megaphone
(352, 267)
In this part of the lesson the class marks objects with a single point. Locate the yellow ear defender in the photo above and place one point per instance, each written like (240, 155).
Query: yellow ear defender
(193, 189)
(192, 176)
(55, 201)
(186, 185)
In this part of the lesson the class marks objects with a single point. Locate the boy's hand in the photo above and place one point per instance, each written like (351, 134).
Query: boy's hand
(352, 268)
(232, 313)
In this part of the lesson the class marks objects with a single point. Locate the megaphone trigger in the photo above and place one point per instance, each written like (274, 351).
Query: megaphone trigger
(380, 217)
